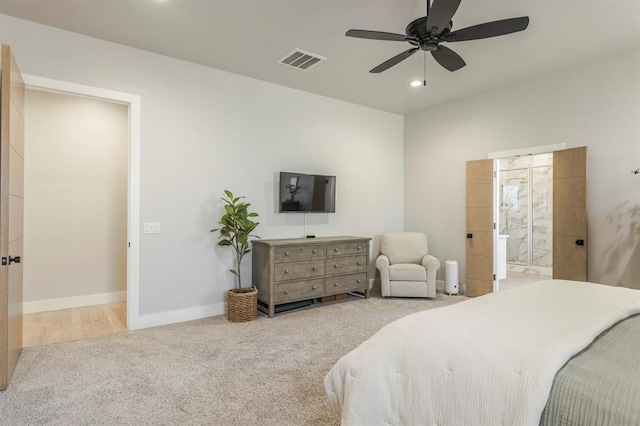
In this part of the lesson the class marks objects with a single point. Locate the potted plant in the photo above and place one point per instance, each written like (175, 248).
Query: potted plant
(236, 227)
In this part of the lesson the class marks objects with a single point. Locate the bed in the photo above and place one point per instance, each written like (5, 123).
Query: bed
(551, 352)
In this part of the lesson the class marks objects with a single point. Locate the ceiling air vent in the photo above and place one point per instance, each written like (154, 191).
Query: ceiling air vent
(300, 59)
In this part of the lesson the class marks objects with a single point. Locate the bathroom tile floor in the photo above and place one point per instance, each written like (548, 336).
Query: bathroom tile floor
(517, 279)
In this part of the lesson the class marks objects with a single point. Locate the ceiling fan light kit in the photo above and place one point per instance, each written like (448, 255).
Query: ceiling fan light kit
(428, 32)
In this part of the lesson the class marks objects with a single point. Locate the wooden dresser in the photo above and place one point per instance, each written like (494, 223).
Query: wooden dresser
(296, 269)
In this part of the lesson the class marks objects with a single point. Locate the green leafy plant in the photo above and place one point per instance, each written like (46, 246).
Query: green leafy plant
(236, 229)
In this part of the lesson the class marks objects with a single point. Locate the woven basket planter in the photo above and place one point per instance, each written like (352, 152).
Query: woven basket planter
(242, 304)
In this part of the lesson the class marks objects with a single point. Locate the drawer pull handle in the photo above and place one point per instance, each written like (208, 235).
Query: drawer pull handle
(286, 271)
(286, 292)
(359, 248)
(336, 249)
(314, 287)
(286, 253)
(315, 269)
(315, 251)
(358, 263)
(358, 281)
(335, 266)
(335, 284)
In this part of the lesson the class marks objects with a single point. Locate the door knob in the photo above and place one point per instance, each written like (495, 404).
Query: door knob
(469, 236)
(579, 242)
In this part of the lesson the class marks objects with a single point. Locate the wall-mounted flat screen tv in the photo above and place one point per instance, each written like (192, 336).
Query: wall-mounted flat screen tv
(305, 193)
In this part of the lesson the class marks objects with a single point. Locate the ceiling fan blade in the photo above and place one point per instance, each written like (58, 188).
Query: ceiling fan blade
(440, 14)
(377, 35)
(393, 61)
(448, 58)
(489, 29)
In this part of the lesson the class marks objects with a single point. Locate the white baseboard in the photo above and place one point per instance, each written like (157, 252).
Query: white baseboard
(73, 302)
(182, 315)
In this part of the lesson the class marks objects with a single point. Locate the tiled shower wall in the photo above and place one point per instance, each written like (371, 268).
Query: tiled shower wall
(526, 209)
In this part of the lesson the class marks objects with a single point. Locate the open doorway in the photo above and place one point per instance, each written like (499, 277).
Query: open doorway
(486, 261)
(523, 215)
(525, 219)
(75, 217)
(132, 177)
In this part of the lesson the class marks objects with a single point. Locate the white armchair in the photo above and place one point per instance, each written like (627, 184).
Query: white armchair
(406, 267)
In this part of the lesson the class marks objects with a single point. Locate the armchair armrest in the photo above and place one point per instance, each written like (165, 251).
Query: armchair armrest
(429, 262)
(382, 263)
(432, 265)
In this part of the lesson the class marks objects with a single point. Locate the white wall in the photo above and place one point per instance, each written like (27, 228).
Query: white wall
(75, 197)
(595, 105)
(205, 130)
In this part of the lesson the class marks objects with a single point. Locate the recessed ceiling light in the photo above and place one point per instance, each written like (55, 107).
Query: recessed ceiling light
(416, 83)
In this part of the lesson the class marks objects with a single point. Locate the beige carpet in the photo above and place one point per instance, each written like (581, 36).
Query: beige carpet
(210, 371)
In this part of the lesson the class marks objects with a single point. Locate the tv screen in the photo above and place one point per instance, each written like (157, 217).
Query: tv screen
(305, 193)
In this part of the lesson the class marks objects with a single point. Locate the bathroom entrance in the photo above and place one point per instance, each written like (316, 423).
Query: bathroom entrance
(525, 217)
(521, 206)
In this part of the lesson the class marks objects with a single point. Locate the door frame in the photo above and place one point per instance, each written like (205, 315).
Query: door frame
(518, 152)
(133, 179)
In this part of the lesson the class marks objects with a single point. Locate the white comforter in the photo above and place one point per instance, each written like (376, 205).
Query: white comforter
(485, 361)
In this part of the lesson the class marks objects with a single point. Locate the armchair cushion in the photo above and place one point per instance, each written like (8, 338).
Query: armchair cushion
(407, 272)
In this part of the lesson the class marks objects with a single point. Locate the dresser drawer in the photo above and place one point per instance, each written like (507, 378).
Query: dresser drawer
(346, 265)
(286, 271)
(298, 290)
(286, 254)
(340, 249)
(345, 283)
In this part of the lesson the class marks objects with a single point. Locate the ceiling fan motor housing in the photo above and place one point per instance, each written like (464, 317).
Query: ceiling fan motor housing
(418, 30)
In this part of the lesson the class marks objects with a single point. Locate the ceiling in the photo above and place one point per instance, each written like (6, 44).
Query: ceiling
(248, 37)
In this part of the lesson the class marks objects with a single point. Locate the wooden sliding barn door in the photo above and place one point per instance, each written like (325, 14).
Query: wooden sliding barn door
(11, 213)
(570, 244)
(479, 237)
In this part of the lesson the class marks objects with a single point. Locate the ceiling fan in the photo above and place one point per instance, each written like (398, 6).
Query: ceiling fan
(428, 32)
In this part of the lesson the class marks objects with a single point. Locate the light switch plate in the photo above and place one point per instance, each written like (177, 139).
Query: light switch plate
(151, 228)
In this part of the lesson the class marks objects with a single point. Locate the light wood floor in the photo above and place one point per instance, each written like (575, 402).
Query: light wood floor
(66, 325)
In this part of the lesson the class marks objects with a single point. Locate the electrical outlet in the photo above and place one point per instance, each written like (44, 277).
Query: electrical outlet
(151, 228)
